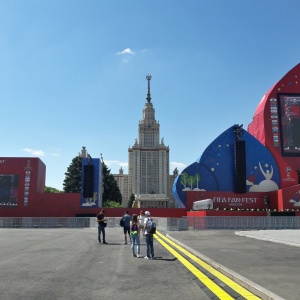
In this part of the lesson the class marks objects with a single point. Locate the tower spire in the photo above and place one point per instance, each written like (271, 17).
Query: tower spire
(148, 77)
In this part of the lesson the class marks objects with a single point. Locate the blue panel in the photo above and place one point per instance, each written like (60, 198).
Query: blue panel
(96, 201)
(215, 169)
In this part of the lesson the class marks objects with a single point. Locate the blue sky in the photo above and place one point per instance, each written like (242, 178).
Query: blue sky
(73, 73)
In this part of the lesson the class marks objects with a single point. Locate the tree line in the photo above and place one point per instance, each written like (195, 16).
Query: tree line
(111, 196)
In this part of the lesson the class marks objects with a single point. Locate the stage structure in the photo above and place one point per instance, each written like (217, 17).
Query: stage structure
(240, 168)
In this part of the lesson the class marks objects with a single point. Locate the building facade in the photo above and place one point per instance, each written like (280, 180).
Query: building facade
(148, 164)
(122, 180)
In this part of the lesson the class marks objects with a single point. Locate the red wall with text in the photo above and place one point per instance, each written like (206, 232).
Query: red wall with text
(22, 186)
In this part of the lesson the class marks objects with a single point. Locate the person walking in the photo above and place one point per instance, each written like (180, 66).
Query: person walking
(101, 226)
(126, 227)
(135, 236)
(149, 237)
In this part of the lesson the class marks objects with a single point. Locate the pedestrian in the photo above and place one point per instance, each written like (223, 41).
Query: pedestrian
(126, 227)
(135, 236)
(149, 237)
(101, 226)
(141, 221)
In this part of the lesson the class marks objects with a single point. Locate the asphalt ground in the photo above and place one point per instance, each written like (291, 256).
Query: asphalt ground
(266, 261)
(70, 263)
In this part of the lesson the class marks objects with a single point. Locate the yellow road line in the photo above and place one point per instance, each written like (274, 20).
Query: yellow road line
(219, 292)
(229, 282)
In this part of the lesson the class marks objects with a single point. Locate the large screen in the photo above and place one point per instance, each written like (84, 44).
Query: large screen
(289, 116)
(9, 190)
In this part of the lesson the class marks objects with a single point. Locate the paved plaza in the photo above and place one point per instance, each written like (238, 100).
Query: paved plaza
(266, 259)
(69, 263)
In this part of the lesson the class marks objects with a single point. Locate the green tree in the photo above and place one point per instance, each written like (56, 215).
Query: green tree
(191, 181)
(49, 189)
(183, 179)
(131, 200)
(112, 204)
(111, 190)
(72, 182)
(197, 178)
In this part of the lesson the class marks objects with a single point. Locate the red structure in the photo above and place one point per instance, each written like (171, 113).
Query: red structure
(276, 124)
(22, 194)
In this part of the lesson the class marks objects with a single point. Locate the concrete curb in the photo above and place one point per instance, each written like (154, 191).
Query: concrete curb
(246, 283)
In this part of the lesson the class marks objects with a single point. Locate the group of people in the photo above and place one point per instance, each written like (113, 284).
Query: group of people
(133, 227)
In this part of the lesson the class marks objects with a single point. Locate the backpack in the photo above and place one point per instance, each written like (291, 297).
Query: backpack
(151, 226)
(134, 230)
(122, 223)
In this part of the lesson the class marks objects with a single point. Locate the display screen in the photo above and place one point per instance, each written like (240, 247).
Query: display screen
(9, 190)
(289, 116)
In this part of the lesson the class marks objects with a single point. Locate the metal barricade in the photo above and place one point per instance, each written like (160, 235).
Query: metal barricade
(243, 223)
(166, 224)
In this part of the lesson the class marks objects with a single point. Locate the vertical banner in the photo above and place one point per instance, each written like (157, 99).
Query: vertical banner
(91, 183)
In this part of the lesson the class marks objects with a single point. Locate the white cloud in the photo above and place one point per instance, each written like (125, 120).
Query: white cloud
(115, 165)
(126, 51)
(55, 152)
(88, 204)
(124, 164)
(178, 165)
(264, 186)
(34, 152)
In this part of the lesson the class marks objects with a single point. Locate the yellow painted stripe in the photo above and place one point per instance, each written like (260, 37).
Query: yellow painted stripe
(229, 282)
(219, 292)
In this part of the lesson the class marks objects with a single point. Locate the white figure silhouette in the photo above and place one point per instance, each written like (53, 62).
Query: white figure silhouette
(266, 185)
(267, 174)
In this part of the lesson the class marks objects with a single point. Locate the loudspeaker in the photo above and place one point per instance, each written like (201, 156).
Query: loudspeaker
(88, 181)
(240, 166)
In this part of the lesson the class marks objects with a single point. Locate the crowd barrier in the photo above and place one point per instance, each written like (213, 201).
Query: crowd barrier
(164, 224)
(44, 222)
(244, 223)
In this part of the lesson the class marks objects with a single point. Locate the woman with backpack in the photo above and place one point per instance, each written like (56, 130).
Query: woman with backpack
(135, 236)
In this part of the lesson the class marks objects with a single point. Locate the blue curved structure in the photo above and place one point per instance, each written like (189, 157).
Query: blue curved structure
(215, 168)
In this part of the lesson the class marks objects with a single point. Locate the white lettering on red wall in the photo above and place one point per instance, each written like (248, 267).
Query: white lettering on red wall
(288, 179)
(234, 201)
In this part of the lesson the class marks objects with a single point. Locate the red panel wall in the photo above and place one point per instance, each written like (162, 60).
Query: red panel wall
(31, 172)
(218, 213)
(42, 204)
(291, 198)
(68, 205)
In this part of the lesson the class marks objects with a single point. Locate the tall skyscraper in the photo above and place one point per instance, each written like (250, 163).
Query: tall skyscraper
(148, 164)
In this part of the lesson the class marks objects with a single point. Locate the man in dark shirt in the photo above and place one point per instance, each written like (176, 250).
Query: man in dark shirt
(101, 226)
(126, 227)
